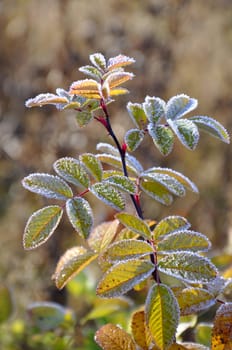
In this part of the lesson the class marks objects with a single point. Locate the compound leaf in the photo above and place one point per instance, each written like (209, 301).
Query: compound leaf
(123, 276)
(162, 313)
(170, 224)
(154, 108)
(133, 138)
(180, 105)
(102, 235)
(222, 329)
(111, 337)
(46, 185)
(137, 114)
(128, 249)
(71, 263)
(134, 224)
(108, 194)
(212, 126)
(162, 137)
(122, 183)
(72, 171)
(92, 164)
(184, 240)
(80, 215)
(186, 131)
(189, 267)
(41, 225)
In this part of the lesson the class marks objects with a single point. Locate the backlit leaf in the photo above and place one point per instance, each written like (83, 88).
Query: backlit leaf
(192, 300)
(189, 267)
(80, 215)
(162, 314)
(140, 331)
(116, 162)
(41, 226)
(91, 71)
(128, 249)
(180, 105)
(212, 126)
(71, 263)
(103, 235)
(117, 78)
(86, 88)
(108, 194)
(170, 224)
(118, 91)
(111, 337)
(122, 183)
(45, 99)
(48, 315)
(46, 185)
(222, 329)
(123, 276)
(157, 191)
(134, 224)
(83, 118)
(92, 164)
(98, 60)
(119, 61)
(169, 182)
(186, 131)
(184, 240)
(154, 107)
(6, 303)
(133, 138)
(137, 115)
(188, 184)
(162, 137)
(72, 171)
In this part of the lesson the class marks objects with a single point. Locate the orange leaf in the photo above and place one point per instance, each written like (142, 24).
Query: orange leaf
(222, 330)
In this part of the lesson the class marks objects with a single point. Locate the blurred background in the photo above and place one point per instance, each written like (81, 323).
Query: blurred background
(180, 46)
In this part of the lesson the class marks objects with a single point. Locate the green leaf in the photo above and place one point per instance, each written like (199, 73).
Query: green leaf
(80, 215)
(188, 184)
(122, 183)
(91, 71)
(156, 191)
(180, 105)
(212, 126)
(169, 225)
(203, 333)
(92, 164)
(71, 263)
(188, 267)
(48, 315)
(169, 182)
(111, 337)
(162, 137)
(154, 107)
(135, 224)
(192, 300)
(186, 131)
(102, 235)
(48, 186)
(133, 138)
(123, 276)
(72, 171)
(6, 303)
(109, 173)
(137, 114)
(108, 194)
(83, 118)
(41, 226)
(128, 249)
(184, 240)
(162, 313)
(98, 60)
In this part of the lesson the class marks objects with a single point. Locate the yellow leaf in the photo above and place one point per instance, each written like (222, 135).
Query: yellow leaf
(140, 331)
(88, 88)
(111, 337)
(118, 91)
(222, 330)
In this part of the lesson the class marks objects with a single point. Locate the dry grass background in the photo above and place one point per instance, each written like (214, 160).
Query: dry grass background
(179, 46)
